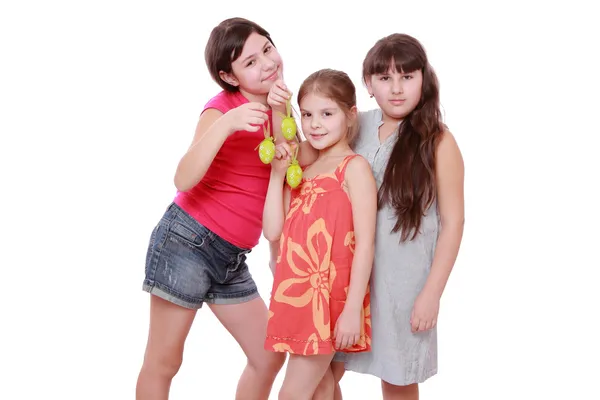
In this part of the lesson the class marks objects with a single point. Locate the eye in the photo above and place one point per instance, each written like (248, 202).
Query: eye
(384, 78)
(407, 77)
(327, 114)
(250, 63)
(268, 49)
(305, 114)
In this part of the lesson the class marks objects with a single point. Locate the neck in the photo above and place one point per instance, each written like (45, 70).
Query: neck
(339, 149)
(390, 120)
(258, 98)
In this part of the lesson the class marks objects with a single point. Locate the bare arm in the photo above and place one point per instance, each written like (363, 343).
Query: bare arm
(450, 197)
(307, 154)
(274, 211)
(363, 196)
(211, 132)
(274, 245)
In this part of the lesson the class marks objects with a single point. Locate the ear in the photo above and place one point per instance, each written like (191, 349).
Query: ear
(369, 86)
(229, 78)
(352, 115)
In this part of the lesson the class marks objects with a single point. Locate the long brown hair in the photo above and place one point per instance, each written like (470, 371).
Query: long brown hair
(337, 86)
(409, 181)
(225, 45)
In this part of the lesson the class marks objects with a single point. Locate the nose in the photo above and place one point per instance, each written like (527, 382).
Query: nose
(267, 63)
(397, 86)
(314, 122)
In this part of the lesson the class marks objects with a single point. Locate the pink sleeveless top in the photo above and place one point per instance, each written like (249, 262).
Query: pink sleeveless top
(229, 199)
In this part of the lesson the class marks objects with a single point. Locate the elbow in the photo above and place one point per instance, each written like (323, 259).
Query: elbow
(453, 223)
(180, 184)
(271, 235)
(365, 252)
(184, 182)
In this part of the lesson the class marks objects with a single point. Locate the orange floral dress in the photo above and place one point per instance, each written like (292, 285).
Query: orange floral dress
(313, 269)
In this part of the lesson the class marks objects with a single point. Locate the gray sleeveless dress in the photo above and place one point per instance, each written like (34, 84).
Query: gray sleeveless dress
(398, 356)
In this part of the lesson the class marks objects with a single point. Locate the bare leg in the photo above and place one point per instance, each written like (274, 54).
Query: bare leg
(337, 370)
(169, 327)
(326, 387)
(247, 323)
(303, 375)
(393, 392)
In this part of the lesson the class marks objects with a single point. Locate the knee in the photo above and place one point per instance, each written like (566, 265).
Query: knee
(326, 387)
(338, 369)
(269, 365)
(163, 365)
(408, 390)
(286, 394)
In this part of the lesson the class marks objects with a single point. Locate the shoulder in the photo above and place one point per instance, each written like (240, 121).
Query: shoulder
(370, 117)
(448, 154)
(224, 101)
(447, 144)
(368, 122)
(358, 169)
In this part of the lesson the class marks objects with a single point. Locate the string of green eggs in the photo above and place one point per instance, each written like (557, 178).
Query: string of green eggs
(266, 148)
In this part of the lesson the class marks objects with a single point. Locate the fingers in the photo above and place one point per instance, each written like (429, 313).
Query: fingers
(278, 98)
(281, 154)
(258, 114)
(355, 340)
(345, 340)
(280, 86)
(256, 121)
(421, 325)
(414, 324)
(279, 94)
(285, 149)
(338, 340)
(258, 107)
(428, 325)
(252, 128)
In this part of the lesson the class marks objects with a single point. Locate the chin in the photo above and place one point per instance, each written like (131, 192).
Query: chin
(395, 113)
(260, 90)
(318, 145)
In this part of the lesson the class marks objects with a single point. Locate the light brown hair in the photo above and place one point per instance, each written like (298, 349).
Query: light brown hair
(337, 86)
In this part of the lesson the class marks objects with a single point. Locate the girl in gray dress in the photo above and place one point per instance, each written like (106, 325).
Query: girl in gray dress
(419, 172)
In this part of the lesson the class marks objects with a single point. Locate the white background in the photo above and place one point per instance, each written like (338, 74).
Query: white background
(99, 100)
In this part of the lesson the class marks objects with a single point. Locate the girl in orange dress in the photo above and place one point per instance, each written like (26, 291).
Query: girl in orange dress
(326, 230)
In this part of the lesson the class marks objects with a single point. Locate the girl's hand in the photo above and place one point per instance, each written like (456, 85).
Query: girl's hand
(425, 312)
(248, 117)
(278, 96)
(283, 158)
(347, 329)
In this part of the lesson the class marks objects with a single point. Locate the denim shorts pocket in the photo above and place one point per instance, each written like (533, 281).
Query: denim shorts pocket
(185, 235)
(236, 262)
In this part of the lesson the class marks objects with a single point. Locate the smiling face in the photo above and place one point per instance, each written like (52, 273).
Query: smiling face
(324, 123)
(257, 67)
(397, 93)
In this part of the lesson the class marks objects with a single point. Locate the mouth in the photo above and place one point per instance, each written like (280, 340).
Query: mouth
(397, 102)
(273, 76)
(317, 136)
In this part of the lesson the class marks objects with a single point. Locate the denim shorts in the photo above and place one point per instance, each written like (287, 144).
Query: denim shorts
(188, 265)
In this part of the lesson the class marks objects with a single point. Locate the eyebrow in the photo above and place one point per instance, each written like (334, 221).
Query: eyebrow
(253, 55)
(330, 109)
